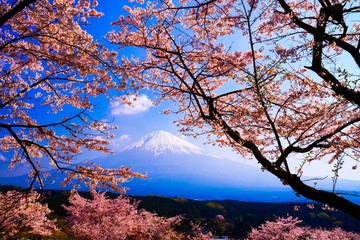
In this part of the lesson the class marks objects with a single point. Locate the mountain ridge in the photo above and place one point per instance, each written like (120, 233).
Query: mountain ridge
(160, 142)
(194, 172)
(177, 168)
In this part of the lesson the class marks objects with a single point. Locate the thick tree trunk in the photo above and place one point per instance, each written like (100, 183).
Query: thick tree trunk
(329, 198)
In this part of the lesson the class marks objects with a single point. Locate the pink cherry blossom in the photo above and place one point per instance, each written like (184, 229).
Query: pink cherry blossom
(277, 81)
(21, 213)
(120, 218)
(51, 69)
(288, 229)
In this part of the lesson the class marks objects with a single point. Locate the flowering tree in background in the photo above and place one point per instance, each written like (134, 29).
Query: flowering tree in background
(20, 214)
(103, 218)
(51, 69)
(284, 90)
(288, 229)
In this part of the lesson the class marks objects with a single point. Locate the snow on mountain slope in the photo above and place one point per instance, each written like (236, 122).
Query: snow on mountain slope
(176, 167)
(164, 156)
(161, 142)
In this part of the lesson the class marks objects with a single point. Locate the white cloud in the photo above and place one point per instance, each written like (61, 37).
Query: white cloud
(2, 158)
(124, 136)
(120, 141)
(115, 141)
(138, 104)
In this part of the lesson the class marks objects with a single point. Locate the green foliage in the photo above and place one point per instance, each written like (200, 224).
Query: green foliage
(215, 205)
(240, 217)
(323, 215)
(180, 200)
(337, 224)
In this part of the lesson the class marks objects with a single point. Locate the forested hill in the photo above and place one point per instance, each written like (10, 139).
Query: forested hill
(239, 217)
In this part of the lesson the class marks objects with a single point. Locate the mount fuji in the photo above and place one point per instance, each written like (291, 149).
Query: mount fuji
(176, 167)
(161, 142)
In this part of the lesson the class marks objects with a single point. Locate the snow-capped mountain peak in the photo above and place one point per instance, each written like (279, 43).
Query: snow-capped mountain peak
(162, 142)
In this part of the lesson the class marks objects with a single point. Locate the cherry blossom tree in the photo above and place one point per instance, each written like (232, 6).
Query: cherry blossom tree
(277, 81)
(288, 229)
(104, 218)
(51, 70)
(331, 29)
(21, 213)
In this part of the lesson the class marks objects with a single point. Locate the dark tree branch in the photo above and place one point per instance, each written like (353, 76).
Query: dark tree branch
(18, 8)
(319, 36)
(23, 146)
(294, 181)
(316, 144)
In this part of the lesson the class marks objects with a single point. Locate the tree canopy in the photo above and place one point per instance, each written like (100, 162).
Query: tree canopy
(287, 228)
(277, 81)
(21, 214)
(51, 70)
(119, 218)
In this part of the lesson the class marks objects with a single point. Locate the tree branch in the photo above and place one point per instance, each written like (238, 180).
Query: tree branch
(18, 8)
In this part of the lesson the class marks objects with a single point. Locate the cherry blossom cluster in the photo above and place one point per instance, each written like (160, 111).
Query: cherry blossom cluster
(289, 229)
(277, 81)
(120, 218)
(22, 214)
(51, 71)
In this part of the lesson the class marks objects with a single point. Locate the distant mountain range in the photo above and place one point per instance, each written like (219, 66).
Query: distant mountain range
(178, 168)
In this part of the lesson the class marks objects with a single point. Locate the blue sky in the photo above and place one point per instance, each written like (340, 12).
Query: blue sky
(142, 118)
